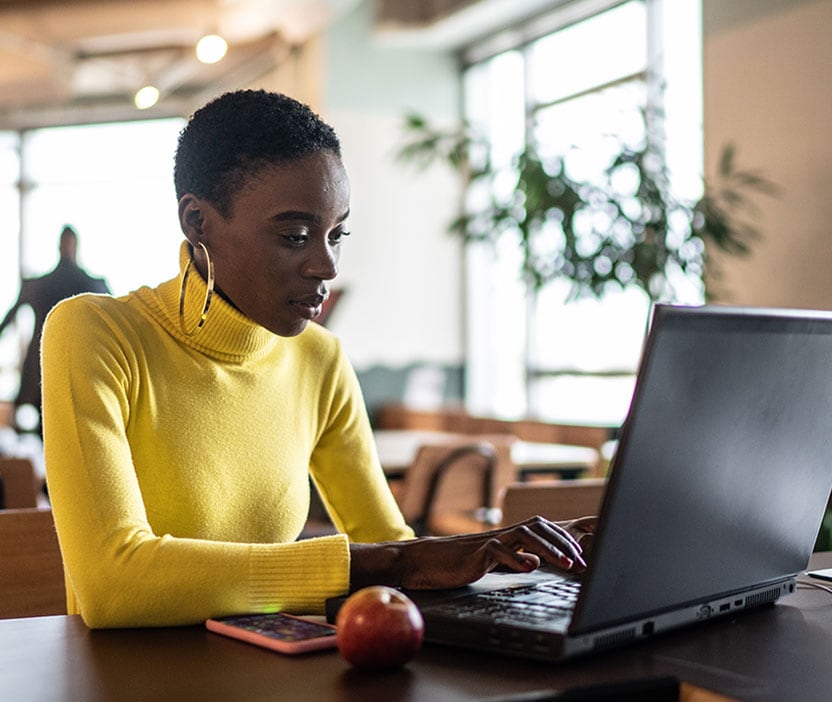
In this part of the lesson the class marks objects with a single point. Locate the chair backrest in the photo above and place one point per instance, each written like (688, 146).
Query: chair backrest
(18, 484)
(31, 569)
(446, 477)
(451, 486)
(554, 499)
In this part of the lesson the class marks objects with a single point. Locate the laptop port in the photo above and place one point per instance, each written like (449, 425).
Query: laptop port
(647, 628)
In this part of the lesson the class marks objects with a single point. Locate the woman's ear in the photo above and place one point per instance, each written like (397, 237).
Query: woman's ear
(190, 217)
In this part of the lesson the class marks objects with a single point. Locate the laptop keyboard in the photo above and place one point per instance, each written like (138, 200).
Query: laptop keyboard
(547, 602)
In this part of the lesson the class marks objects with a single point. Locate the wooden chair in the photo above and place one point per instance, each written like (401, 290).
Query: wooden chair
(31, 569)
(553, 499)
(454, 487)
(19, 486)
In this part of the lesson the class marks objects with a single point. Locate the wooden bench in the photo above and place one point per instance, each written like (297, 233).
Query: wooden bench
(459, 421)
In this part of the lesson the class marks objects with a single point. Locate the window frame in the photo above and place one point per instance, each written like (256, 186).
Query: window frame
(485, 387)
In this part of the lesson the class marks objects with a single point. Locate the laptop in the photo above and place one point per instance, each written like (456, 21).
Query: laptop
(715, 498)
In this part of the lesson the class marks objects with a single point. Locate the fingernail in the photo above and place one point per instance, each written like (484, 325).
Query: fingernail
(566, 561)
(529, 562)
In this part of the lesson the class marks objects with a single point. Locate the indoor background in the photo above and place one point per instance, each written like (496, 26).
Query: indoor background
(422, 320)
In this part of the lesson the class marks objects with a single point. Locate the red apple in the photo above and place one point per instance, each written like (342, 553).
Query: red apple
(379, 627)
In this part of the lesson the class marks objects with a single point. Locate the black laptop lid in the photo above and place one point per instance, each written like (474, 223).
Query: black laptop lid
(724, 465)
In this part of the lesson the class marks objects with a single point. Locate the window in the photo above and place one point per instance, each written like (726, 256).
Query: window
(113, 183)
(577, 92)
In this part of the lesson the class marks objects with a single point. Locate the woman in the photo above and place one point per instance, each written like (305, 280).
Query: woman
(182, 422)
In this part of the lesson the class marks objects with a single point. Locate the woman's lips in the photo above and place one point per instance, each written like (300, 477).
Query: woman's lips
(309, 307)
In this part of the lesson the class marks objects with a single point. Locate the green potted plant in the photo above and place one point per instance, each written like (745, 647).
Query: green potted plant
(647, 236)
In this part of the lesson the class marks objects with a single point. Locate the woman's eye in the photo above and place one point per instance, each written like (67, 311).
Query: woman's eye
(337, 237)
(296, 238)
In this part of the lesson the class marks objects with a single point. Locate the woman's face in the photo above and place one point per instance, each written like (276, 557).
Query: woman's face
(279, 247)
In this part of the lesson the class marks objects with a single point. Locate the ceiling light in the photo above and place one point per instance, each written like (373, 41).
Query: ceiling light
(211, 48)
(146, 97)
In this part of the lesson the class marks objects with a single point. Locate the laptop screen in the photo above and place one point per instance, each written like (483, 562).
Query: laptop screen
(725, 461)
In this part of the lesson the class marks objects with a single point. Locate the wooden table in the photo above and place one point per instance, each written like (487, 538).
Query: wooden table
(397, 448)
(778, 654)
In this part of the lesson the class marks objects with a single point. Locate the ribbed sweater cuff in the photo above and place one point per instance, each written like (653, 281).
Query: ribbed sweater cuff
(298, 577)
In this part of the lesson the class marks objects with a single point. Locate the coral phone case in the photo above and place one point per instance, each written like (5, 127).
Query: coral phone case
(280, 632)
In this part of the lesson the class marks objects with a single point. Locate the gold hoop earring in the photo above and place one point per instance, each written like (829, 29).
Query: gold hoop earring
(209, 293)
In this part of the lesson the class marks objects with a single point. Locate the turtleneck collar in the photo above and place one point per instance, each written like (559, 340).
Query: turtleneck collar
(227, 334)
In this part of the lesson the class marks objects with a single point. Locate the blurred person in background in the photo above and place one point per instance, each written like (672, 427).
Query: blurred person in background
(41, 295)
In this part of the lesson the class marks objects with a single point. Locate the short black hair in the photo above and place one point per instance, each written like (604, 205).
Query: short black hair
(237, 134)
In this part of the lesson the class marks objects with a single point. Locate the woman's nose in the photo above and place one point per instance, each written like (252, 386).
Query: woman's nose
(323, 263)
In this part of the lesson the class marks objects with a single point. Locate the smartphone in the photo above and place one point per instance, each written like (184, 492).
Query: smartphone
(281, 632)
(824, 574)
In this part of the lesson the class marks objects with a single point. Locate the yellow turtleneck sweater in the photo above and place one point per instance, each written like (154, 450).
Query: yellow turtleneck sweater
(178, 466)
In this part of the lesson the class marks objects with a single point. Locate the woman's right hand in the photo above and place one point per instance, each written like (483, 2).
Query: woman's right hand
(453, 561)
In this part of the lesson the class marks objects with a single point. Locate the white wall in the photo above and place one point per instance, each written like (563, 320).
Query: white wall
(767, 87)
(401, 269)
